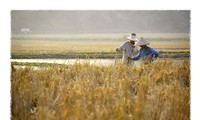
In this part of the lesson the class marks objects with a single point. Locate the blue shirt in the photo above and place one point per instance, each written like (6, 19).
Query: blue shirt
(147, 53)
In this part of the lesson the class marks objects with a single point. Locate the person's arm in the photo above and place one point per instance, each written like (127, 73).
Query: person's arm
(121, 47)
(118, 49)
(155, 53)
(136, 50)
(136, 57)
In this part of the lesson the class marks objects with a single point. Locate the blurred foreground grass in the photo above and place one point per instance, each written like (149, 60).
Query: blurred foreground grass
(160, 90)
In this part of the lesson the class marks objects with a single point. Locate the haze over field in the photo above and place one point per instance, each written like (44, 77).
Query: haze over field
(100, 21)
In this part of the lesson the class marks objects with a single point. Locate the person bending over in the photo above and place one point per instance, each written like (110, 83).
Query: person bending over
(146, 53)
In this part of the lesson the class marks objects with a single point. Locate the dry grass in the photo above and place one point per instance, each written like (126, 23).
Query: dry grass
(160, 90)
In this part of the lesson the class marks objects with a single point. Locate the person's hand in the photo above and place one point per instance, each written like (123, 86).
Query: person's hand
(129, 58)
(117, 50)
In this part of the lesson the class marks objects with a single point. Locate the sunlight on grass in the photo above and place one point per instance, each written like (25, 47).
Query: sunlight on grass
(160, 90)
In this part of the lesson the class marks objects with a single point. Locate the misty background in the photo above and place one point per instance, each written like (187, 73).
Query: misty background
(100, 21)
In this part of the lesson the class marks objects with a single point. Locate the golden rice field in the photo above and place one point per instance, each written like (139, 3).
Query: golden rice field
(72, 46)
(157, 91)
(32, 44)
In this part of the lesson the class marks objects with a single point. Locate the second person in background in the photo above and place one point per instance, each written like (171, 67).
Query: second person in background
(146, 53)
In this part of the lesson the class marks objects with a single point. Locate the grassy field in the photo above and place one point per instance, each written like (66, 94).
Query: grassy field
(160, 90)
(91, 43)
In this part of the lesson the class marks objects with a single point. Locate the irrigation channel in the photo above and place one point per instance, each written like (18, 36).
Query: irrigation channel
(99, 62)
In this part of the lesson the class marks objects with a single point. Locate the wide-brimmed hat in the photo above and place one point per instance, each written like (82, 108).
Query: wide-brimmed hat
(132, 37)
(142, 41)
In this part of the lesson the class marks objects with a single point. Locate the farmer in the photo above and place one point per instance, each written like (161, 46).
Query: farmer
(147, 54)
(128, 48)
